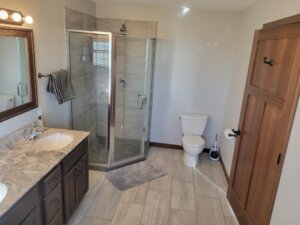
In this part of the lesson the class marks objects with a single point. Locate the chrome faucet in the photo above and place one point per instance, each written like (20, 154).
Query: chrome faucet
(37, 129)
(35, 132)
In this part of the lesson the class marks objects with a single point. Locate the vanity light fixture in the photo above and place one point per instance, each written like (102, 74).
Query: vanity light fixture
(14, 17)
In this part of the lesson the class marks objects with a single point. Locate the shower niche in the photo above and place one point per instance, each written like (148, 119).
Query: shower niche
(113, 77)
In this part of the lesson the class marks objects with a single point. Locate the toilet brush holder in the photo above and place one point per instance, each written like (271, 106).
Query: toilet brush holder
(214, 154)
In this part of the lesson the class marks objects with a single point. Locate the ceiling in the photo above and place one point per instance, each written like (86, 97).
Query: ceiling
(227, 5)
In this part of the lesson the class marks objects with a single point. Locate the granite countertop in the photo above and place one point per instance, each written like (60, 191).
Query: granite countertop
(22, 166)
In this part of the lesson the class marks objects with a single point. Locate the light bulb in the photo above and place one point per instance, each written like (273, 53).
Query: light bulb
(28, 19)
(3, 15)
(16, 17)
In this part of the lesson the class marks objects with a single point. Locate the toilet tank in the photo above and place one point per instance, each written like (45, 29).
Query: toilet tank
(193, 123)
(7, 101)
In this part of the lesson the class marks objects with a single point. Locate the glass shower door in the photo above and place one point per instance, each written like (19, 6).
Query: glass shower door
(132, 98)
(90, 69)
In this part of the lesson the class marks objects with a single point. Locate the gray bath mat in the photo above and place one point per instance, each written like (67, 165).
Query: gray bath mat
(134, 175)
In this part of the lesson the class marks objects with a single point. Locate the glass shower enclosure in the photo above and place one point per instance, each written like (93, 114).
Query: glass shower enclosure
(113, 78)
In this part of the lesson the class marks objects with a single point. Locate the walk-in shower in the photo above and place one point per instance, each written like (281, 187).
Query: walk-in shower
(112, 76)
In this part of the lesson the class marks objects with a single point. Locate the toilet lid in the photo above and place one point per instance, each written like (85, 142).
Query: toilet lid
(193, 140)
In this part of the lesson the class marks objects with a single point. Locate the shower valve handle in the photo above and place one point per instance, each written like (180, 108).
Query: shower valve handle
(141, 101)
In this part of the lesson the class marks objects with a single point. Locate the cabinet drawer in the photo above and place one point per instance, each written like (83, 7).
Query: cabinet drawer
(52, 203)
(74, 156)
(51, 180)
(58, 219)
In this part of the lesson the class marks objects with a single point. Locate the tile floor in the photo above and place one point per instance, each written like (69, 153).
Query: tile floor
(183, 197)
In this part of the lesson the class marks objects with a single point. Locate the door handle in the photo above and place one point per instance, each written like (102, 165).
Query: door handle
(236, 133)
(268, 61)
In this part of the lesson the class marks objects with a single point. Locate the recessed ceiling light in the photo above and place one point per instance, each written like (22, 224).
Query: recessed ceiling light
(185, 10)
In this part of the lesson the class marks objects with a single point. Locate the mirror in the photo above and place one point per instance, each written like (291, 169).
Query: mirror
(17, 72)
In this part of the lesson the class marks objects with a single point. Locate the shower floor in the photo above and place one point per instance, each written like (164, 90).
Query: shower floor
(124, 149)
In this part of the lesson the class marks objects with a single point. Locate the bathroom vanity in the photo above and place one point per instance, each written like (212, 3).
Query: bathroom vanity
(44, 187)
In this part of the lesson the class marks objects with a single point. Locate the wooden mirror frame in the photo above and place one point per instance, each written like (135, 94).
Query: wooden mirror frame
(28, 34)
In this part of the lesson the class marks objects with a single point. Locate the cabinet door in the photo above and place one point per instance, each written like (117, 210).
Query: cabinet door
(70, 193)
(31, 218)
(82, 179)
(75, 186)
(269, 104)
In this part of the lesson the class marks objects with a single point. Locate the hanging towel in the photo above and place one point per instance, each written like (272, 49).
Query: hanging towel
(60, 85)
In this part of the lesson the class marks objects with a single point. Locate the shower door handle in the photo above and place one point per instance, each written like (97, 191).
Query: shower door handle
(141, 101)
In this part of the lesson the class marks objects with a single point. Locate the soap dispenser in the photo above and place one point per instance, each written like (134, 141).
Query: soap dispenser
(40, 123)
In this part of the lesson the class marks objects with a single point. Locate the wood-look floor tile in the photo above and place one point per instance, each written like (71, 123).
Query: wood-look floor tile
(105, 202)
(169, 200)
(209, 211)
(204, 187)
(94, 221)
(213, 170)
(183, 195)
(231, 221)
(128, 214)
(96, 180)
(227, 210)
(179, 217)
(136, 195)
(162, 157)
(182, 172)
(162, 184)
(157, 208)
(80, 211)
(178, 154)
(94, 176)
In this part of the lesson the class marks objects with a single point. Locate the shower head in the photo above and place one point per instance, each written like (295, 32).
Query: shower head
(123, 28)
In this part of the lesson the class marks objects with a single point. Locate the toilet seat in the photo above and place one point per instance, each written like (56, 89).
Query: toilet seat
(193, 141)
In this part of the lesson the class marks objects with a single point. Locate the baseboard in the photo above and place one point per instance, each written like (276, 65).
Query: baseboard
(164, 145)
(224, 170)
(171, 146)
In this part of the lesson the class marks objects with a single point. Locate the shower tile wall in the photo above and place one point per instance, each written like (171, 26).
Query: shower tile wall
(137, 29)
(131, 66)
(79, 21)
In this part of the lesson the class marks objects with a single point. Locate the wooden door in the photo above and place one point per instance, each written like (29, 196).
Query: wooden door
(268, 109)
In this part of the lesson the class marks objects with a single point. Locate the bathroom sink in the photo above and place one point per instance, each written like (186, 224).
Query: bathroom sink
(3, 191)
(53, 142)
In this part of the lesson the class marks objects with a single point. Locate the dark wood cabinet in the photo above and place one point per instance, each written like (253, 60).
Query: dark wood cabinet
(52, 204)
(24, 212)
(56, 197)
(30, 219)
(75, 181)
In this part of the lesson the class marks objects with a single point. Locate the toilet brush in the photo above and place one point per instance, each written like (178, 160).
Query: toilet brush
(214, 153)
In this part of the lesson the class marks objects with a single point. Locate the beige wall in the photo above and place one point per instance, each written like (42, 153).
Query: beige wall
(286, 210)
(194, 60)
(50, 53)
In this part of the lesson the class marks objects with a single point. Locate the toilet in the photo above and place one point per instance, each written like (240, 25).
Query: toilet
(192, 127)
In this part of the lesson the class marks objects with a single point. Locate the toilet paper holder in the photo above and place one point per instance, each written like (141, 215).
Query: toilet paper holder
(236, 133)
